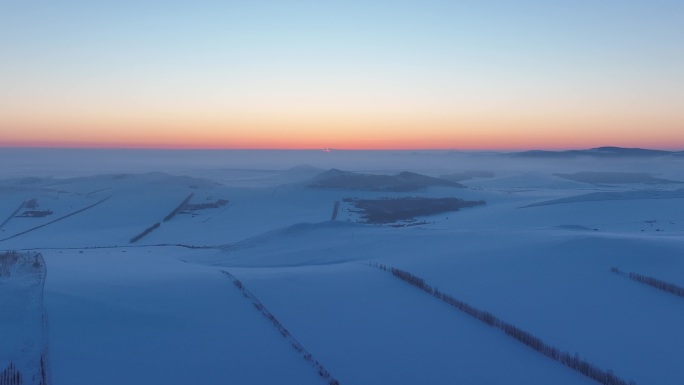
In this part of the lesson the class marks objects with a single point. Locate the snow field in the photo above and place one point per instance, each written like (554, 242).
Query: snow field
(369, 328)
(141, 315)
(148, 318)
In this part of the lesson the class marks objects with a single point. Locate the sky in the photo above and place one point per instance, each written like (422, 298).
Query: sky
(348, 74)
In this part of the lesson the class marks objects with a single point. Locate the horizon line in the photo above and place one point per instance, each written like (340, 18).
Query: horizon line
(322, 149)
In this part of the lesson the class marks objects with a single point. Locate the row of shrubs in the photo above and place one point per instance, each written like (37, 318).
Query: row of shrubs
(654, 282)
(574, 362)
(7, 260)
(144, 233)
(43, 369)
(283, 331)
(203, 206)
(182, 206)
(11, 375)
(179, 208)
(658, 284)
(336, 208)
(55, 220)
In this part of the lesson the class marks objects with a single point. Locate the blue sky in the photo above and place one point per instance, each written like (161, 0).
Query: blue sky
(451, 64)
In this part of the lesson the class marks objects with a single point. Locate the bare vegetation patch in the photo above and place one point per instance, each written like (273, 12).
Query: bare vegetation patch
(191, 207)
(389, 210)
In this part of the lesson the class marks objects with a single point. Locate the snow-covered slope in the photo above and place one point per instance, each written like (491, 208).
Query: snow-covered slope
(127, 316)
(23, 326)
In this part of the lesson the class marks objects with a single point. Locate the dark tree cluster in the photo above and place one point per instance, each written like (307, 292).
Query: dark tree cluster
(145, 232)
(36, 213)
(388, 210)
(283, 331)
(574, 362)
(7, 260)
(202, 206)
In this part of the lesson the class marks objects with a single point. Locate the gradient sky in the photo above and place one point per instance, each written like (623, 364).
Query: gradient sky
(342, 74)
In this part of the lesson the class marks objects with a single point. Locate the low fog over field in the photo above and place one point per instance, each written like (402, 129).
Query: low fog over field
(341, 267)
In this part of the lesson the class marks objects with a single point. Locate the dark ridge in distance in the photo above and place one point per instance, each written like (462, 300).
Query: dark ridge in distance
(611, 196)
(614, 177)
(466, 175)
(403, 181)
(599, 152)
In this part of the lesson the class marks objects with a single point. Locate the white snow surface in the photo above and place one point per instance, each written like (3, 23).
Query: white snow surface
(22, 315)
(160, 311)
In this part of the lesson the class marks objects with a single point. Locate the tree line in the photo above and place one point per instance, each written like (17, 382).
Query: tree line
(572, 361)
(651, 281)
(11, 375)
(144, 233)
(283, 331)
(336, 208)
(178, 209)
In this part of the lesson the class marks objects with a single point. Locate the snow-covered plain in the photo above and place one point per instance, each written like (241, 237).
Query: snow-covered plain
(159, 310)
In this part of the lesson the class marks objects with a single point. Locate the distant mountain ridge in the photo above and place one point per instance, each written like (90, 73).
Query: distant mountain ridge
(615, 177)
(599, 152)
(403, 181)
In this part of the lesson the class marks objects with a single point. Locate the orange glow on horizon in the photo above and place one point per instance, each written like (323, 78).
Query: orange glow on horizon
(517, 145)
(343, 75)
(468, 132)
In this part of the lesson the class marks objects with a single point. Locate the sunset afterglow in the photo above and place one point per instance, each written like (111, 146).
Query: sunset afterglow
(343, 75)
